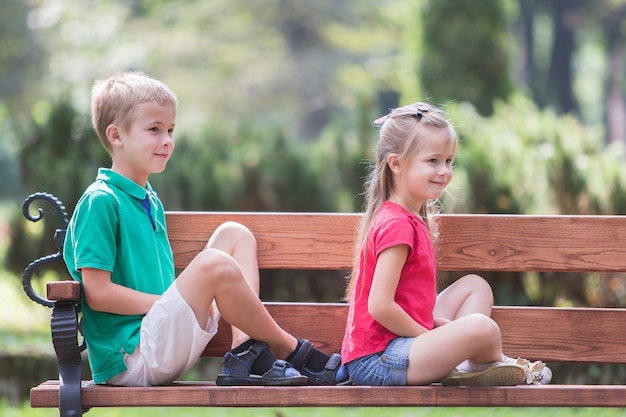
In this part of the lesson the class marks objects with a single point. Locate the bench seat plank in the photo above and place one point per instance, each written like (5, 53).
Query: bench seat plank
(208, 394)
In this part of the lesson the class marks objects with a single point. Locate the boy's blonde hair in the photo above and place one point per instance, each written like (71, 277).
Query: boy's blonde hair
(400, 132)
(114, 100)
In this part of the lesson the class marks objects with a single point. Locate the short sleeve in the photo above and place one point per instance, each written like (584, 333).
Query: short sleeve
(95, 226)
(394, 231)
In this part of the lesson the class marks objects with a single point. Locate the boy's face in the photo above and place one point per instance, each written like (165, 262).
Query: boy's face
(147, 146)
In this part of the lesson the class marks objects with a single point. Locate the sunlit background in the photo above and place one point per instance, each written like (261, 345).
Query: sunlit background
(276, 103)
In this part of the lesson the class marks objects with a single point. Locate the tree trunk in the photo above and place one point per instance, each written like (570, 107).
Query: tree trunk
(560, 75)
(615, 98)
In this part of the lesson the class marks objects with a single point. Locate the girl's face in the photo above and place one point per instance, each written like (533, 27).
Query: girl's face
(426, 174)
(147, 146)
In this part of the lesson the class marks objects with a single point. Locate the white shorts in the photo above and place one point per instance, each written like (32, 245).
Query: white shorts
(171, 341)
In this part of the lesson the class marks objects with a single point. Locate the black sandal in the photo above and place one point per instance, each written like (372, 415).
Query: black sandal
(320, 368)
(237, 368)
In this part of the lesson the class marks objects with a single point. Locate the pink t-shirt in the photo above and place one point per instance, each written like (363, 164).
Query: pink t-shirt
(417, 288)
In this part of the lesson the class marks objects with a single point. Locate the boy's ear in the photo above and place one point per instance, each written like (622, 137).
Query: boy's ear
(393, 160)
(113, 134)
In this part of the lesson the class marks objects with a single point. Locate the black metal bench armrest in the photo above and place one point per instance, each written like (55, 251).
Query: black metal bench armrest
(64, 321)
(65, 326)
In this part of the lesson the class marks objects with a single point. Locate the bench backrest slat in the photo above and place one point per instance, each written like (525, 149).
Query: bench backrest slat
(533, 243)
(284, 240)
(549, 334)
(467, 243)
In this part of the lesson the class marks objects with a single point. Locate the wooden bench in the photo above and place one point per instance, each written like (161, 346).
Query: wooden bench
(314, 241)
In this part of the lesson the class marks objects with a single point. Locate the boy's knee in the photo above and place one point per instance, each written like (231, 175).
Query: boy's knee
(234, 232)
(216, 264)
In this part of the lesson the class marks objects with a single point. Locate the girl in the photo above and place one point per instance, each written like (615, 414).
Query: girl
(399, 331)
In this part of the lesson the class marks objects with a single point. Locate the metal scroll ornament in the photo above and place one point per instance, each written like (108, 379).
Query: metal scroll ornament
(59, 238)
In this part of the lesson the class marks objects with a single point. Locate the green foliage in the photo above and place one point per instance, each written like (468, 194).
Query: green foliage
(243, 170)
(520, 160)
(257, 86)
(60, 152)
(60, 155)
(21, 56)
(253, 168)
(291, 63)
(277, 100)
(523, 160)
(531, 161)
(9, 186)
(465, 54)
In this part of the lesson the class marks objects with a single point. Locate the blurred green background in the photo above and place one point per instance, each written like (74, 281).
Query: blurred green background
(276, 103)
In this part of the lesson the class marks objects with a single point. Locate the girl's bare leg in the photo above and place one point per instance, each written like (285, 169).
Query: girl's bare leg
(471, 334)
(468, 295)
(435, 353)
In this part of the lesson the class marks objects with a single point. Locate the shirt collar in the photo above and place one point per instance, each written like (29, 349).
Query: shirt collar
(126, 185)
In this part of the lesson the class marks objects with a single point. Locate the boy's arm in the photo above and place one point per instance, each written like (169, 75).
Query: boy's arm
(105, 296)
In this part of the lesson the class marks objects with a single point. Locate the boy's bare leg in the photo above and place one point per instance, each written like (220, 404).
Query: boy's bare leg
(238, 242)
(245, 312)
(216, 275)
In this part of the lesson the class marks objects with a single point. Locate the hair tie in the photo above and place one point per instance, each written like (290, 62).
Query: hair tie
(420, 112)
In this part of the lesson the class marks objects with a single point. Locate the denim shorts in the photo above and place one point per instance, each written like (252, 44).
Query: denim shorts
(384, 368)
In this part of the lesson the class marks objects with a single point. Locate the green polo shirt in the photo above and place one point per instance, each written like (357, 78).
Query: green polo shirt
(110, 230)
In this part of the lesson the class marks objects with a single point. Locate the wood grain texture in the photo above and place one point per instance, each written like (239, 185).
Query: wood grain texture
(476, 242)
(532, 243)
(63, 291)
(210, 395)
(593, 335)
(284, 240)
(538, 333)
(467, 242)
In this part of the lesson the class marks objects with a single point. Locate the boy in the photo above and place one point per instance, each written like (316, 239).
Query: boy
(142, 327)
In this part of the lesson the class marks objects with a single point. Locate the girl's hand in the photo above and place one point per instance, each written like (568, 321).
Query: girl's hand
(440, 321)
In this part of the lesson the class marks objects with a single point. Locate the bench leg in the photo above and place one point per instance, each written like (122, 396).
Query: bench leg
(64, 325)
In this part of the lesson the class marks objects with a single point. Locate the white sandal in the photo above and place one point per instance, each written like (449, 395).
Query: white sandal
(536, 373)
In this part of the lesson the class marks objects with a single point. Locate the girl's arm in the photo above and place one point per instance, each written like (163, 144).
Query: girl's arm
(381, 303)
(105, 296)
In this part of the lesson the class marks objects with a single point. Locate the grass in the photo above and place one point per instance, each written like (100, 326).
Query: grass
(26, 411)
